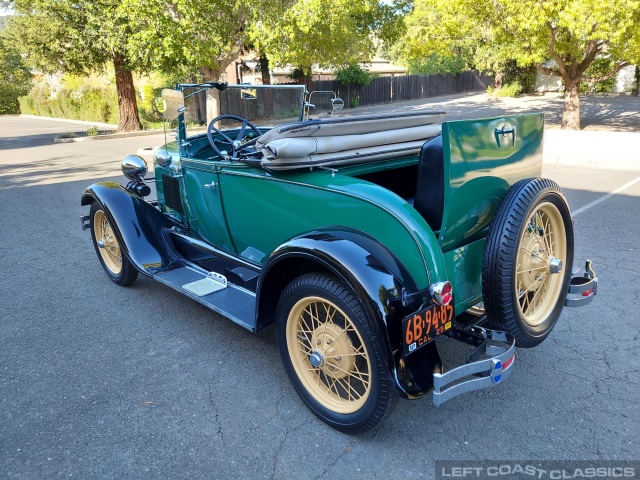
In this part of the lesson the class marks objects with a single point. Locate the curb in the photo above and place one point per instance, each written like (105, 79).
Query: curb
(72, 140)
(105, 126)
(139, 133)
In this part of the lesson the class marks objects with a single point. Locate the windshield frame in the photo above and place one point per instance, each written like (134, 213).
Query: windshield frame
(192, 89)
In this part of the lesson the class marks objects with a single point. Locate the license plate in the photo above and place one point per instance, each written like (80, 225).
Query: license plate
(423, 326)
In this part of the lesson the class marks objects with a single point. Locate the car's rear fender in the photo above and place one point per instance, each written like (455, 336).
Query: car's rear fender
(138, 225)
(372, 272)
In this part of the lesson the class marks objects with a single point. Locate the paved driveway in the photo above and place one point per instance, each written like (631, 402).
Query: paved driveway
(99, 381)
(620, 113)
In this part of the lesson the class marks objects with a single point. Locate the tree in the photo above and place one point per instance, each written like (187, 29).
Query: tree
(418, 48)
(199, 37)
(304, 33)
(14, 78)
(78, 37)
(560, 37)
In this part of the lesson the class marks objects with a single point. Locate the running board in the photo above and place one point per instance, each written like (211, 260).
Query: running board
(213, 291)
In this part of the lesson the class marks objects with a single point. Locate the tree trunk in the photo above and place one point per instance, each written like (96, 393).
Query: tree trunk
(305, 77)
(497, 82)
(571, 112)
(264, 70)
(127, 103)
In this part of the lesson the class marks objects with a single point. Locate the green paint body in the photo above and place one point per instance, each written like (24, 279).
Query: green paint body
(249, 212)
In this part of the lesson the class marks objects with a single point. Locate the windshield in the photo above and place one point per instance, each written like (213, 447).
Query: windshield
(263, 105)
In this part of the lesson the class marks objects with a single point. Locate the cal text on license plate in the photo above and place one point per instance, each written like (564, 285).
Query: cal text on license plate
(421, 327)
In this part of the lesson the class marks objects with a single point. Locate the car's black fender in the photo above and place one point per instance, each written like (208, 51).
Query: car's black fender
(137, 224)
(376, 277)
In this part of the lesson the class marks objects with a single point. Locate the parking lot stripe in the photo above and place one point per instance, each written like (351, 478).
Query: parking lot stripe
(605, 197)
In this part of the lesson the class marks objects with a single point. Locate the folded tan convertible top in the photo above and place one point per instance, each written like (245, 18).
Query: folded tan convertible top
(348, 140)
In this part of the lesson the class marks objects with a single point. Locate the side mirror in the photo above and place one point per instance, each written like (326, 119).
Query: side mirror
(172, 103)
(337, 104)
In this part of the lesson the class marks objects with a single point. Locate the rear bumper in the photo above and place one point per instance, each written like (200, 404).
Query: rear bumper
(490, 363)
(492, 360)
(582, 288)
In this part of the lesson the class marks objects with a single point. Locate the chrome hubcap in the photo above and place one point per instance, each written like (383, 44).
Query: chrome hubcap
(316, 359)
(555, 265)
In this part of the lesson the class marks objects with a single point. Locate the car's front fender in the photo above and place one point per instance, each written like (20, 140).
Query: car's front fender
(138, 226)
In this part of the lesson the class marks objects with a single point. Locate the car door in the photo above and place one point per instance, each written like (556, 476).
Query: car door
(203, 201)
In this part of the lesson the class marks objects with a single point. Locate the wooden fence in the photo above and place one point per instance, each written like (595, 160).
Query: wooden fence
(405, 87)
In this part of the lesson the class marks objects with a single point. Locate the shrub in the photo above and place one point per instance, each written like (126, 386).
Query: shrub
(354, 75)
(66, 135)
(146, 107)
(524, 76)
(92, 131)
(507, 90)
(89, 103)
(9, 94)
(354, 102)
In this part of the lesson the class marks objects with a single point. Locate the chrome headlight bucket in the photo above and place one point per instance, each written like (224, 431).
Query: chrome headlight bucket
(134, 167)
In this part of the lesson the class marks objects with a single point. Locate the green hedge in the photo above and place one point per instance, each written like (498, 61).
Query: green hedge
(87, 103)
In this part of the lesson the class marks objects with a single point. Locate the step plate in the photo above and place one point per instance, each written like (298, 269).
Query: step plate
(233, 302)
(212, 283)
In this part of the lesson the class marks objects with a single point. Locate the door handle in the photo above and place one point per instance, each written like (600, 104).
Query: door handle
(210, 185)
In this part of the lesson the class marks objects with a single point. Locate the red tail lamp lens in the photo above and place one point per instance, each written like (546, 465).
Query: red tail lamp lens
(442, 292)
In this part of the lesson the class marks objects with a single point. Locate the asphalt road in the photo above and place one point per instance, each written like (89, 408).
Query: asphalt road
(99, 381)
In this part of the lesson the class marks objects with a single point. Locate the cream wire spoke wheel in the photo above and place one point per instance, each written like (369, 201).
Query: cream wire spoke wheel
(331, 355)
(542, 253)
(110, 253)
(528, 259)
(328, 354)
(107, 243)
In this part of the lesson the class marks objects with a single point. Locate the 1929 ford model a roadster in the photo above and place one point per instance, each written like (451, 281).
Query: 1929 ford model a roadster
(362, 238)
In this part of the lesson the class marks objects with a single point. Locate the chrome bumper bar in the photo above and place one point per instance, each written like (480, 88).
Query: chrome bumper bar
(491, 363)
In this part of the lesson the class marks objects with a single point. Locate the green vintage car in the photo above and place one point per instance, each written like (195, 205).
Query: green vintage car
(363, 238)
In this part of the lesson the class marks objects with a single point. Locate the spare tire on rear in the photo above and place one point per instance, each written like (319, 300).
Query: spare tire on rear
(528, 260)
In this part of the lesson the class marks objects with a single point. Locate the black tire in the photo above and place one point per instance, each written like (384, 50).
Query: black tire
(531, 229)
(115, 262)
(352, 393)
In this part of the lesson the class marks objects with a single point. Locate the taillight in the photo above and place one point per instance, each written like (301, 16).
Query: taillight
(442, 292)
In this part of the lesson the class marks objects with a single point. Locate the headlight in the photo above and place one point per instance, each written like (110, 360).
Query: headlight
(134, 167)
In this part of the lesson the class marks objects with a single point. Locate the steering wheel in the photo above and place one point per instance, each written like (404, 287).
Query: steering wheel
(238, 144)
